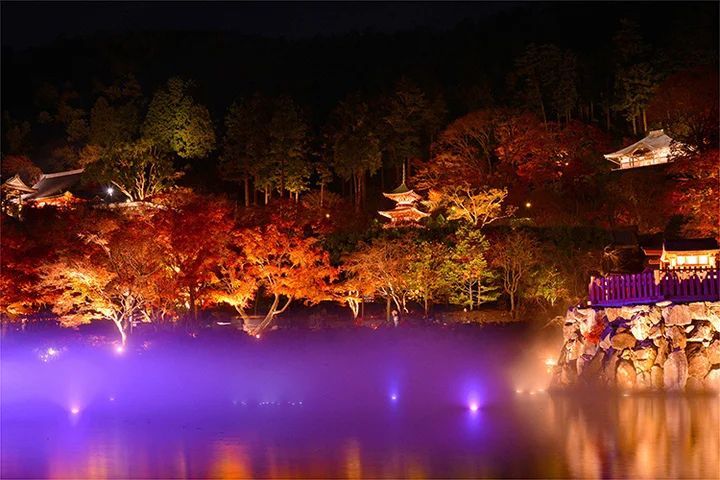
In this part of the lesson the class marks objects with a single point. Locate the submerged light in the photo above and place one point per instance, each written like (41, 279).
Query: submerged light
(393, 397)
(74, 410)
(474, 407)
(119, 349)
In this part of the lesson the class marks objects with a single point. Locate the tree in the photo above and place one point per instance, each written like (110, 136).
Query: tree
(411, 120)
(695, 191)
(463, 152)
(352, 145)
(473, 282)
(635, 78)
(110, 273)
(686, 105)
(16, 135)
(138, 169)
(18, 269)
(245, 142)
(382, 265)
(477, 208)
(515, 256)
(287, 147)
(547, 79)
(20, 165)
(287, 266)
(429, 273)
(234, 282)
(176, 123)
(195, 234)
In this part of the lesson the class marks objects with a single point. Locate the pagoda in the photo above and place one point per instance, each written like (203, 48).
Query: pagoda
(404, 213)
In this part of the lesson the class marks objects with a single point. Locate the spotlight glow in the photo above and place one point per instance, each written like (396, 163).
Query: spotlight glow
(257, 336)
(74, 410)
(393, 397)
(119, 349)
(110, 190)
(474, 407)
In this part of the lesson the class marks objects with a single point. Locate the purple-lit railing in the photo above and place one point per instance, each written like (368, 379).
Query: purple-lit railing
(647, 287)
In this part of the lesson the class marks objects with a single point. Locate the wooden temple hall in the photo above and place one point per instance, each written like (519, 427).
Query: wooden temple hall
(51, 188)
(654, 149)
(683, 270)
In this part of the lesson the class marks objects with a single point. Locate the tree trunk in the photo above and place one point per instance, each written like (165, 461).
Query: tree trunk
(427, 307)
(644, 119)
(193, 305)
(634, 124)
(119, 325)
(322, 194)
(512, 305)
(246, 181)
(470, 296)
(387, 309)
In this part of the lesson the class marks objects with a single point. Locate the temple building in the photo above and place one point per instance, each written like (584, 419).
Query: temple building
(50, 189)
(404, 213)
(689, 254)
(651, 150)
(13, 191)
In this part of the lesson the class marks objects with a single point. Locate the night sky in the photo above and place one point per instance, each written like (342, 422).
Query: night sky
(35, 23)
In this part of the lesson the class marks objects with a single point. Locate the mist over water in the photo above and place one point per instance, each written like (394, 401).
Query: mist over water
(435, 402)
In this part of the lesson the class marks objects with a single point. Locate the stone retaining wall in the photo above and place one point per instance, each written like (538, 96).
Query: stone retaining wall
(664, 346)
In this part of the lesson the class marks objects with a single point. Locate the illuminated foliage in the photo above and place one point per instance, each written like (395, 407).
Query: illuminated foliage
(695, 192)
(109, 273)
(381, 266)
(139, 170)
(287, 266)
(176, 123)
(477, 208)
(515, 256)
(194, 232)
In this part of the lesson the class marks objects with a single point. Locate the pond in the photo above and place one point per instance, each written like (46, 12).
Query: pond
(424, 402)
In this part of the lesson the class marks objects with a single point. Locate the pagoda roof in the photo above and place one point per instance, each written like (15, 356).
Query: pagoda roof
(16, 183)
(402, 191)
(51, 184)
(402, 211)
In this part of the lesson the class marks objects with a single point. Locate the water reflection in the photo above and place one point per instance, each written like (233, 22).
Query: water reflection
(642, 437)
(539, 436)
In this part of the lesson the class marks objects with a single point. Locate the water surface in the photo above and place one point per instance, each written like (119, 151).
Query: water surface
(413, 403)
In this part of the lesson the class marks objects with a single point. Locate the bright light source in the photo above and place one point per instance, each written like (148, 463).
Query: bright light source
(550, 362)
(393, 397)
(528, 204)
(257, 335)
(110, 190)
(119, 349)
(75, 410)
(327, 215)
(52, 352)
(518, 390)
(474, 407)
